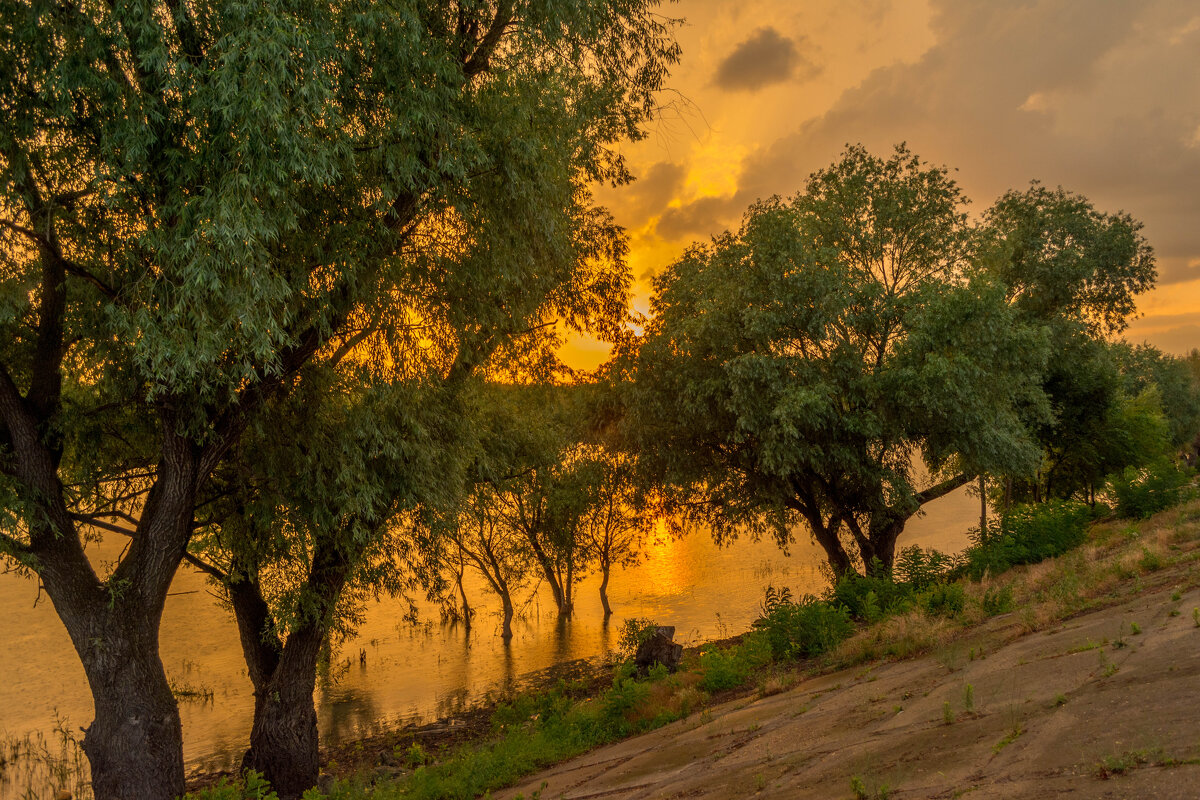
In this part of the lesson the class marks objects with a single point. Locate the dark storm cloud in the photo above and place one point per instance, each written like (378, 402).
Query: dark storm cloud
(766, 58)
(698, 219)
(1104, 104)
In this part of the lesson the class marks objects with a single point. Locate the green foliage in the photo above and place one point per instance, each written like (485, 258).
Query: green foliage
(250, 787)
(803, 628)
(728, 669)
(633, 634)
(1141, 493)
(920, 568)
(869, 598)
(997, 600)
(794, 368)
(943, 599)
(1028, 534)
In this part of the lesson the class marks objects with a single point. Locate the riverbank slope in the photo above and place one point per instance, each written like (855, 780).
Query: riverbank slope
(1088, 689)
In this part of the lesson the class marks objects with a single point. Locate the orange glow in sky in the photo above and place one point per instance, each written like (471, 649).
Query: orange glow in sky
(1100, 98)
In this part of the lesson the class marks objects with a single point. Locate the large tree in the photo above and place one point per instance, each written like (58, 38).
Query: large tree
(1075, 272)
(197, 202)
(802, 368)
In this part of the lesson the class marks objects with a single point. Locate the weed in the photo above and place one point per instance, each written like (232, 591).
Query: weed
(997, 601)
(760, 782)
(1176, 596)
(859, 788)
(1060, 700)
(803, 628)
(1011, 737)
(1134, 628)
(969, 698)
(1150, 561)
(947, 713)
(1196, 616)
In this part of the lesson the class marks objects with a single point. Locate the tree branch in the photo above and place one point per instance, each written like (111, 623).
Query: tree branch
(945, 487)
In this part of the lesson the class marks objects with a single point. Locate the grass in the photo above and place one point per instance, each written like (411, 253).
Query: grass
(1121, 763)
(1013, 734)
(52, 764)
(1116, 561)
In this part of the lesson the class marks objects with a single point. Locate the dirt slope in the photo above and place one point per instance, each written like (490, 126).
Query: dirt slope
(1047, 708)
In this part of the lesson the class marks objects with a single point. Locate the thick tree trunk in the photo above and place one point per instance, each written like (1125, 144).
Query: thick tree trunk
(283, 738)
(284, 745)
(135, 742)
(604, 592)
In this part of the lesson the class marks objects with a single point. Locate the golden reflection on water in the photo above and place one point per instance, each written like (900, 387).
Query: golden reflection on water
(431, 670)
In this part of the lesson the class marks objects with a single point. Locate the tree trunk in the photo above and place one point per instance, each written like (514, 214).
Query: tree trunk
(467, 611)
(506, 629)
(283, 739)
(284, 745)
(604, 592)
(983, 531)
(547, 565)
(135, 742)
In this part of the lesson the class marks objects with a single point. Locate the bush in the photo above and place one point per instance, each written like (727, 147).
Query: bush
(634, 633)
(726, 669)
(870, 598)
(1028, 534)
(943, 599)
(1141, 493)
(997, 601)
(921, 569)
(804, 628)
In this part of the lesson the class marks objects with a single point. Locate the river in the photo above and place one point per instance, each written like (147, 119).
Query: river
(393, 672)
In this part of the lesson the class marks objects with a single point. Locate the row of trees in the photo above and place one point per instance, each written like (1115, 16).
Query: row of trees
(279, 283)
(254, 257)
(809, 370)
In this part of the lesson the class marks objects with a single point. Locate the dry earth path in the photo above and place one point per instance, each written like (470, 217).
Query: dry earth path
(1045, 711)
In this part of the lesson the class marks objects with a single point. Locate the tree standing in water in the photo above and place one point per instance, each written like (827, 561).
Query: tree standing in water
(198, 203)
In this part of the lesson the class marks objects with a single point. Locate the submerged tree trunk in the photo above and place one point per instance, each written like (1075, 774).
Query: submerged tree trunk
(506, 632)
(604, 591)
(284, 745)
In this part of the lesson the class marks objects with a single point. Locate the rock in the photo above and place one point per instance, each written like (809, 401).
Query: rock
(659, 649)
(325, 783)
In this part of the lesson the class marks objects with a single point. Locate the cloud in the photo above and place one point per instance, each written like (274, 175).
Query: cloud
(699, 219)
(766, 58)
(1104, 104)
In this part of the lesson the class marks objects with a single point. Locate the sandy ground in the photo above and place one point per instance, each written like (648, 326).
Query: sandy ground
(1046, 709)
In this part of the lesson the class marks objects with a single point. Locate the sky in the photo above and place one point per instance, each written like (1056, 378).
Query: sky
(1101, 97)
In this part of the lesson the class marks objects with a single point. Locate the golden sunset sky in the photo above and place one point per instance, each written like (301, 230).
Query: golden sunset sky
(1101, 97)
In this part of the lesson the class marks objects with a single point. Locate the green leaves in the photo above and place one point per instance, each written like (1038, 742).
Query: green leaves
(807, 360)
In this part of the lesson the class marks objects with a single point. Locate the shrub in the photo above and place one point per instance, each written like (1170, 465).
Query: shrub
(805, 628)
(871, 597)
(1141, 493)
(997, 601)
(634, 632)
(920, 569)
(1028, 534)
(943, 599)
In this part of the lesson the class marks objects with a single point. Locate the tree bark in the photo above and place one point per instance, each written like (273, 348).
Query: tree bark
(284, 744)
(135, 742)
(604, 591)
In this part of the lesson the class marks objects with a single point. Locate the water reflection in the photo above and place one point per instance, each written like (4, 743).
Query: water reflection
(392, 672)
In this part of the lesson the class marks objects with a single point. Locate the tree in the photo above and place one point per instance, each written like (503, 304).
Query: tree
(482, 541)
(796, 369)
(1076, 273)
(612, 529)
(197, 202)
